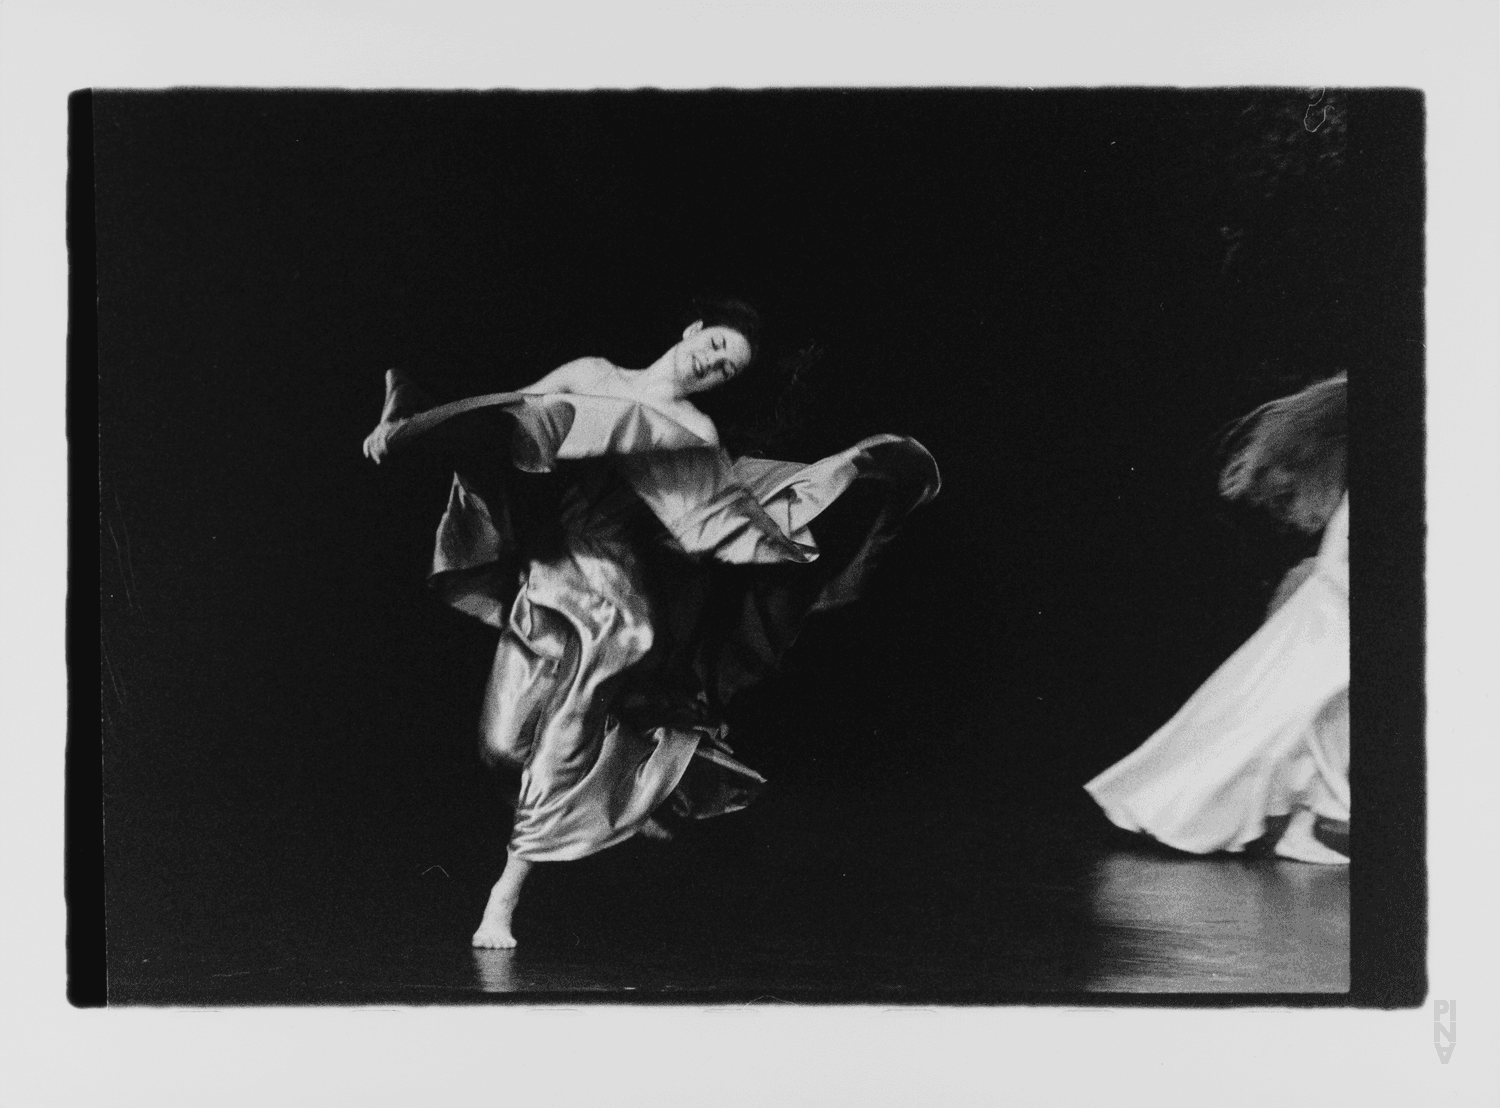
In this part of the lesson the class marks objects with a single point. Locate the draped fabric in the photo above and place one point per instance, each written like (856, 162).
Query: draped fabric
(1267, 733)
(639, 579)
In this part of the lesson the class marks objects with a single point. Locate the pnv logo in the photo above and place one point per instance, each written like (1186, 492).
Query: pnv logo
(1441, 1008)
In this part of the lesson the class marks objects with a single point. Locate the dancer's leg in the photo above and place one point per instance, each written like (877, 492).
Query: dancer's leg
(494, 929)
(1300, 844)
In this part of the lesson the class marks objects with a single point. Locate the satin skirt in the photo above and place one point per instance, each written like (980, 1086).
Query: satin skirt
(589, 779)
(620, 654)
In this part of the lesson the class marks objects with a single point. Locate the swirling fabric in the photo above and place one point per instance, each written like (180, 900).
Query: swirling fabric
(1267, 733)
(639, 578)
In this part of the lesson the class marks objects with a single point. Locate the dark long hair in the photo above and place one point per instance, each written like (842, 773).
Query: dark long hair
(1290, 450)
(733, 313)
(763, 406)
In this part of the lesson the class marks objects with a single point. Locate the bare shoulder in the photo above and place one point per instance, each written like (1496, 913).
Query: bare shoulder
(579, 375)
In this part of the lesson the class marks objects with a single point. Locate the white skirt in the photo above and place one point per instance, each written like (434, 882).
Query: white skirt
(1266, 734)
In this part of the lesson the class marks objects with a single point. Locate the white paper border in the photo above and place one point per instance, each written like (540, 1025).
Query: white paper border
(52, 1054)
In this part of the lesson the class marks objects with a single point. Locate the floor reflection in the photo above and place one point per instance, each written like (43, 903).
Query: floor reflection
(517, 971)
(1088, 917)
(495, 970)
(1222, 924)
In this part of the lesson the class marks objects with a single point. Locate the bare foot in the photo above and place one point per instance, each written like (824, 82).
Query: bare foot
(1299, 843)
(493, 936)
(494, 929)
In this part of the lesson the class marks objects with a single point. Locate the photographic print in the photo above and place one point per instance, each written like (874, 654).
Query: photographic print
(908, 546)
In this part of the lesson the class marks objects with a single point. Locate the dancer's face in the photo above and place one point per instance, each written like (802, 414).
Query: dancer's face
(707, 357)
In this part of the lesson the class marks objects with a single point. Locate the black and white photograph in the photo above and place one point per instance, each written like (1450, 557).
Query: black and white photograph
(799, 554)
(839, 545)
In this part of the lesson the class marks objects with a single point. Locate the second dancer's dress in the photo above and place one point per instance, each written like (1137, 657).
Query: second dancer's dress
(1267, 734)
(639, 579)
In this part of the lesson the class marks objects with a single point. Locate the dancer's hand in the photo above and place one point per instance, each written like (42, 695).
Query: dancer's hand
(376, 447)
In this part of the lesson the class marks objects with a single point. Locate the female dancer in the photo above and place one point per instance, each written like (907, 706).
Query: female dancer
(586, 519)
(1268, 734)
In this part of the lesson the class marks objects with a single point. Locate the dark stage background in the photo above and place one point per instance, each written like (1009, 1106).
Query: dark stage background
(1065, 295)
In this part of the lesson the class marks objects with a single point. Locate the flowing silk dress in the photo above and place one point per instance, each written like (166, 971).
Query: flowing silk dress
(639, 579)
(1266, 734)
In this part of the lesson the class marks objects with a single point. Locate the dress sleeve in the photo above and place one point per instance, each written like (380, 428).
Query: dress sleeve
(708, 511)
(759, 510)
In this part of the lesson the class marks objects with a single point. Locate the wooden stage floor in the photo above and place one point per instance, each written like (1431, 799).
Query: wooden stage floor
(1118, 918)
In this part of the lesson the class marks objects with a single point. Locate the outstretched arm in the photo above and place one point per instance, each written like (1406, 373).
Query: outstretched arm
(408, 412)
